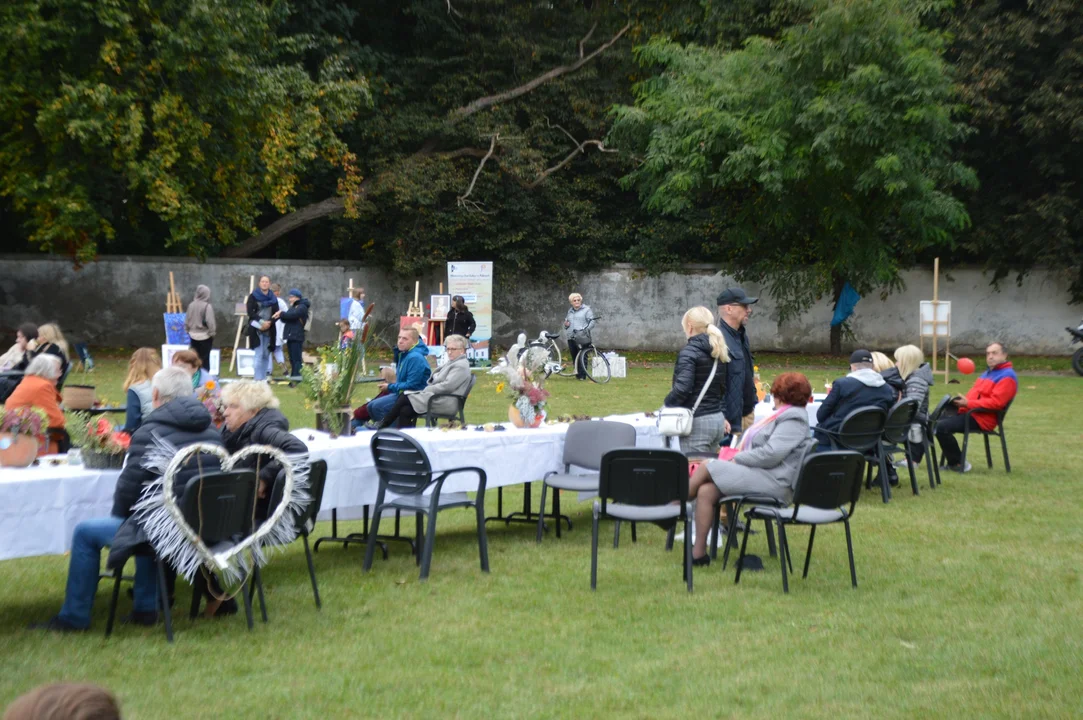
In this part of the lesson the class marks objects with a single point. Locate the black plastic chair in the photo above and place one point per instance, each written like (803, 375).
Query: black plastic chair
(862, 430)
(221, 512)
(828, 482)
(644, 485)
(404, 470)
(432, 415)
(306, 521)
(932, 462)
(999, 432)
(895, 436)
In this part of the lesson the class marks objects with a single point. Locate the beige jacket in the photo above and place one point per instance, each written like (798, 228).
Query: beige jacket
(453, 378)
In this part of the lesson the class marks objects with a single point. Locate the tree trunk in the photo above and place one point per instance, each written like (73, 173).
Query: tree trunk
(836, 330)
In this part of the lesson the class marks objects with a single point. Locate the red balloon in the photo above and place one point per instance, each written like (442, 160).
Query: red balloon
(965, 365)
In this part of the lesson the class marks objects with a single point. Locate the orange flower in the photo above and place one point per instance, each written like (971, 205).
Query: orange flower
(211, 385)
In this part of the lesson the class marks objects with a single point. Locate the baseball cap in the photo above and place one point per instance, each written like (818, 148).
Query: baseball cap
(295, 292)
(735, 296)
(860, 356)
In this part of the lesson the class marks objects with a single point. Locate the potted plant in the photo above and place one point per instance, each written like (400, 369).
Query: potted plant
(329, 384)
(524, 378)
(22, 431)
(103, 447)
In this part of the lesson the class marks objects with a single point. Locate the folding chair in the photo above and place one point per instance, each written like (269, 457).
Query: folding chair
(999, 432)
(305, 521)
(432, 414)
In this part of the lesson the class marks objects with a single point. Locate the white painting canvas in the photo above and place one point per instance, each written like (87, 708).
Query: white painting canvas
(216, 362)
(168, 351)
(940, 313)
(246, 363)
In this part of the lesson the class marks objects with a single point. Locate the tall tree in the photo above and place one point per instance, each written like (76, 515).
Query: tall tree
(823, 156)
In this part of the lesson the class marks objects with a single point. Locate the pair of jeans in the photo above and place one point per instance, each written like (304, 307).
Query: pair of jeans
(945, 433)
(381, 406)
(263, 357)
(85, 565)
(294, 346)
(401, 414)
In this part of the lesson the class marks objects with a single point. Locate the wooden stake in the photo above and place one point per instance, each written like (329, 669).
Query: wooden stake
(241, 320)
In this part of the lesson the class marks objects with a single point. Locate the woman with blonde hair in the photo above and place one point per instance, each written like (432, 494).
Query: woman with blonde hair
(51, 340)
(882, 364)
(705, 353)
(918, 378)
(142, 365)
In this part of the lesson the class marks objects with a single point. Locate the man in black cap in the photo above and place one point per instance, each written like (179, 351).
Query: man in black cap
(734, 310)
(863, 387)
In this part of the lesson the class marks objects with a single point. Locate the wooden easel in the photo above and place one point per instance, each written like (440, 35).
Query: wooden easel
(172, 299)
(415, 309)
(939, 327)
(436, 326)
(242, 318)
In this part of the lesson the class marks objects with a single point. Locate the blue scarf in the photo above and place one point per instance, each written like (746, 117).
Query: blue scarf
(265, 298)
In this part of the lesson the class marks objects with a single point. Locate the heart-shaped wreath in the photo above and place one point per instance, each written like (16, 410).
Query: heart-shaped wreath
(178, 543)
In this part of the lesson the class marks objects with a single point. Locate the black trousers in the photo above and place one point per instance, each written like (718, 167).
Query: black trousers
(203, 349)
(946, 430)
(573, 348)
(294, 348)
(401, 414)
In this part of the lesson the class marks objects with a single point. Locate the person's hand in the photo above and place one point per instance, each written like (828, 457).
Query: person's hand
(960, 401)
(728, 428)
(381, 386)
(262, 488)
(567, 324)
(265, 326)
(275, 316)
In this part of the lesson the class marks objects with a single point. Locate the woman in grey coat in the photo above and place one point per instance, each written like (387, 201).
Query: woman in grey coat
(918, 377)
(453, 378)
(767, 462)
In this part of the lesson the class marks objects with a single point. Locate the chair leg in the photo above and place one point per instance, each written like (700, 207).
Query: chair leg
(113, 602)
(988, 452)
(370, 545)
(616, 534)
(594, 551)
(418, 537)
(770, 538)
(258, 578)
(966, 443)
(936, 461)
(885, 486)
(783, 542)
(483, 538)
(808, 553)
(688, 554)
(633, 532)
(430, 540)
(929, 462)
(850, 551)
(741, 555)
(163, 598)
(671, 534)
(732, 513)
(1004, 447)
(913, 476)
(247, 604)
(197, 594)
(541, 513)
(715, 528)
(782, 558)
(556, 511)
(312, 572)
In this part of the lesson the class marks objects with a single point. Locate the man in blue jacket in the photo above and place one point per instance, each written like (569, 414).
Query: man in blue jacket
(411, 373)
(863, 387)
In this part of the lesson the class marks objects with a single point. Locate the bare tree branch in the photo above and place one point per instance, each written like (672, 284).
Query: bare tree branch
(585, 37)
(558, 127)
(488, 101)
(462, 199)
(579, 150)
(451, 10)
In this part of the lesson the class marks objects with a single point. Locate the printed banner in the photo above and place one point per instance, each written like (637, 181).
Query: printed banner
(474, 281)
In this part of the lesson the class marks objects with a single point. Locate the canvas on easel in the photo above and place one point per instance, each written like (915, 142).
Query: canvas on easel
(176, 333)
(934, 322)
(241, 311)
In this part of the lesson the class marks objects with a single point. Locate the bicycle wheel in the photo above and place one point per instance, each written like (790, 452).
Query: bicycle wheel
(598, 373)
(563, 369)
(556, 362)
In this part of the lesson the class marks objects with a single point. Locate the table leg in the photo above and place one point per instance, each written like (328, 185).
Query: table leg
(526, 515)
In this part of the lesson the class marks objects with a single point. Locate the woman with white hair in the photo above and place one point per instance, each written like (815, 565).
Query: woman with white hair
(578, 323)
(699, 381)
(38, 390)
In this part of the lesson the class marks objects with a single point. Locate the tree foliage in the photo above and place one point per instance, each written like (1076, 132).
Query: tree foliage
(169, 121)
(824, 156)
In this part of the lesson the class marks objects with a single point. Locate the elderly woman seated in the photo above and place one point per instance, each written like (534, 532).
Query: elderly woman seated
(767, 461)
(453, 378)
(38, 390)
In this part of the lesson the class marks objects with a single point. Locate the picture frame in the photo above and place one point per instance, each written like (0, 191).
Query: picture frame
(169, 350)
(246, 363)
(440, 306)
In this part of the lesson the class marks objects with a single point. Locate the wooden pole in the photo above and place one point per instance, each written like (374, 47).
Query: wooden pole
(936, 306)
(240, 325)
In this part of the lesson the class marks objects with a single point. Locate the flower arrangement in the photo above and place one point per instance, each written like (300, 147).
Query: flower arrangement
(329, 384)
(524, 376)
(24, 421)
(97, 436)
(210, 394)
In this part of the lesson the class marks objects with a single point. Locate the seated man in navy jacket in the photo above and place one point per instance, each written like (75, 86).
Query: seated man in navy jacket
(863, 387)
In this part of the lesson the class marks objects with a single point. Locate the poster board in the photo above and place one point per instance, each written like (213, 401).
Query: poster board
(474, 281)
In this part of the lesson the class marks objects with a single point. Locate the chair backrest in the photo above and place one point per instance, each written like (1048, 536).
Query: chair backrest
(220, 505)
(1001, 415)
(587, 441)
(899, 419)
(643, 476)
(317, 478)
(940, 409)
(63, 378)
(470, 386)
(401, 462)
(829, 480)
(861, 429)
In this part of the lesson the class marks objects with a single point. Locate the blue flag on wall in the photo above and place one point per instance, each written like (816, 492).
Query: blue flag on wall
(844, 308)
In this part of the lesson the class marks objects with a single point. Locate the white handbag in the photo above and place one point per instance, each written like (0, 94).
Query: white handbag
(677, 421)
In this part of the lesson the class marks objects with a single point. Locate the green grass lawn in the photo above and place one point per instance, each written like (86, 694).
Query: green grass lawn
(969, 605)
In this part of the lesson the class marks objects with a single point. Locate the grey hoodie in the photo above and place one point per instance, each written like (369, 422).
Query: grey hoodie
(199, 320)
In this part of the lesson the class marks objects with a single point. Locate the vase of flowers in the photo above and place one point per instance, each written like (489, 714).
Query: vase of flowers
(328, 386)
(524, 377)
(22, 432)
(103, 448)
(210, 395)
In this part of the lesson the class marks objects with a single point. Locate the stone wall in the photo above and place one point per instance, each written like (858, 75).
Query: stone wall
(119, 301)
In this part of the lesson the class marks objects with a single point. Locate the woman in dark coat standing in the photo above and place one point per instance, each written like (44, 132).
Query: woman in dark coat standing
(460, 321)
(261, 307)
(706, 348)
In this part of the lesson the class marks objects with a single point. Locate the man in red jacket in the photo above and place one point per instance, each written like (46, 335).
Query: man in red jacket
(992, 392)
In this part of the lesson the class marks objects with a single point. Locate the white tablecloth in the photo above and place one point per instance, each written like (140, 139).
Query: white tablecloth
(40, 506)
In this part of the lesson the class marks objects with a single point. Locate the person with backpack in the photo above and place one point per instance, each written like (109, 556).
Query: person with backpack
(200, 325)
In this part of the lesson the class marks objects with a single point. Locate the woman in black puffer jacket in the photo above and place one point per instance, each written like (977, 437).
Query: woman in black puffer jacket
(706, 348)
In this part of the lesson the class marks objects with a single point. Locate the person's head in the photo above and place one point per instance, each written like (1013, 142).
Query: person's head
(344, 326)
(908, 358)
(26, 333)
(735, 307)
(455, 346)
(791, 388)
(203, 293)
(576, 300)
(45, 366)
(170, 383)
(357, 293)
(881, 362)
(188, 361)
(408, 337)
(242, 400)
(65, 701)
(860, 360)
(264, 283)
(996, 353)
(458, 302)
(293, 296)
(142, 365)
(699, 320)
(50, 333)
(276, 288)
